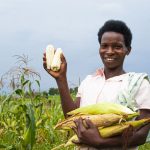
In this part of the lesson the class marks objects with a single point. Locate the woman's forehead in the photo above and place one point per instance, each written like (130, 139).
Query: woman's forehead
(112, 37)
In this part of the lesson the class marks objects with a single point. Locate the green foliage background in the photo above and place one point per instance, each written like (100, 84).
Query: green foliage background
(46, 137)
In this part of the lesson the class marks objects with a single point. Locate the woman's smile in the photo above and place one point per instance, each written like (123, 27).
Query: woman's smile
(112, 50)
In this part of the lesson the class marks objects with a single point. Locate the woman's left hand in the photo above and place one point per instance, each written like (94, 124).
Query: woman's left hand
(86, 135)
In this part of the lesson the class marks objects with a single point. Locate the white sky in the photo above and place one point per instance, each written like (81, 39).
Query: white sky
(28, 26)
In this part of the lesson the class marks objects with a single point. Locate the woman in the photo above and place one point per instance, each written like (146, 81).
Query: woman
(106, 84)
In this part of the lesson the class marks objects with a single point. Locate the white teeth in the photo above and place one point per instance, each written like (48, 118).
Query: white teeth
(109, 59)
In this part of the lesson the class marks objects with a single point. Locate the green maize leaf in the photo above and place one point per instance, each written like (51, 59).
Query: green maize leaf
(2, 146)
(22, 79)
(25, 82)
(29, 86)
(29, 135)
(19, 92)
(38, 83)
(7, 99)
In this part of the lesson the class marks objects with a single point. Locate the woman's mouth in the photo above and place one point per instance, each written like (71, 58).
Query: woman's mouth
(109, 59)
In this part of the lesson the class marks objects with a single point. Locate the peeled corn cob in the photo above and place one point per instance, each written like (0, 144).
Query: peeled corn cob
(49, 55)
(98, 120)
(102, 108)
(55, 66)
(114, 130)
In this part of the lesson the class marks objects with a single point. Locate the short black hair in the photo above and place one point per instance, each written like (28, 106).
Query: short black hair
(116, 26)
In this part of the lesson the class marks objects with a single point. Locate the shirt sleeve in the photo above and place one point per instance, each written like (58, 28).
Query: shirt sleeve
(143, 95)
(79, 93)
(80, 89)
(82, 86)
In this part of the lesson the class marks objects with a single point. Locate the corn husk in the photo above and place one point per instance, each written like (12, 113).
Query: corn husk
(100, 120)
(102, 108)
(118, 129)
(114, 130)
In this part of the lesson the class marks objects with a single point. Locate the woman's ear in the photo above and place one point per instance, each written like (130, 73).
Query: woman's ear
(128, 50)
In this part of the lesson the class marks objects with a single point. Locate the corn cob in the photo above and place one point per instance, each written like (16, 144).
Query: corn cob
(102, 108)
(55, 66)
(98, 120)
(118, 129)
(70, 143)
(49, 55)
(114, 130)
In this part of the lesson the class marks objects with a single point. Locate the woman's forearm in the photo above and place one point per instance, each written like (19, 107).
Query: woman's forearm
(136, 139)
(66, 99)
(110, 142)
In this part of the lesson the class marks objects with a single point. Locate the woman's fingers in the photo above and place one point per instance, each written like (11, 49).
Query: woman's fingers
(76, 142)
(63, 59)
(44, 63)
(89, 123)
(80, 129)
(79, 125)
(44, 59)
(74, 129)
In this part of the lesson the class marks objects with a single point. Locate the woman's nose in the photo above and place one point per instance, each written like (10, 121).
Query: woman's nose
(110, 50)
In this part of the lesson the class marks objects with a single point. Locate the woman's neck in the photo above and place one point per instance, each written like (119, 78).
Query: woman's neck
(109, 73)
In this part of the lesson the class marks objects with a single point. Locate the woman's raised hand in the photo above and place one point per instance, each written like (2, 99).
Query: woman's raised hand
(61, 73)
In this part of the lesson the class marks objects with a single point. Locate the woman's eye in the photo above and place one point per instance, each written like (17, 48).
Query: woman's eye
(118, 47)
(103, 46)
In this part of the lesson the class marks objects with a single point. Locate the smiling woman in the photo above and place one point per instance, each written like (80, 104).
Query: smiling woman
(109, 84)
(115, 43)
(113, 51)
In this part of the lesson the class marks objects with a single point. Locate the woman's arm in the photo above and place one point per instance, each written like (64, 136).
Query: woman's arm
(60, 76)
(90, 136)
(66, 100)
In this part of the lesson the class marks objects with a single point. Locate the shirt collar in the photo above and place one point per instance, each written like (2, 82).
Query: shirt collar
(100, 73)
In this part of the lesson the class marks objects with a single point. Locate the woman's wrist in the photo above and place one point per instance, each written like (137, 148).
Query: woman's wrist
(61, 79)
(109, 142)
(99, 143)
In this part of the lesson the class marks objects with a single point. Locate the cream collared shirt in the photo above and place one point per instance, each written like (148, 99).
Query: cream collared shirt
(95, 88)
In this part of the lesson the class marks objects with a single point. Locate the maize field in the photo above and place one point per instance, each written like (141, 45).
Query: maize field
(27, 121)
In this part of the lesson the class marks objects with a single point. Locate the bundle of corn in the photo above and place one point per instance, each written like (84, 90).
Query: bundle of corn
(101, 114)
(99, 120)
(110, 118)
(114, 130)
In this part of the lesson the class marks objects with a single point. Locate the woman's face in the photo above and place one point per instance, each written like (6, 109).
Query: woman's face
(113, 50)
